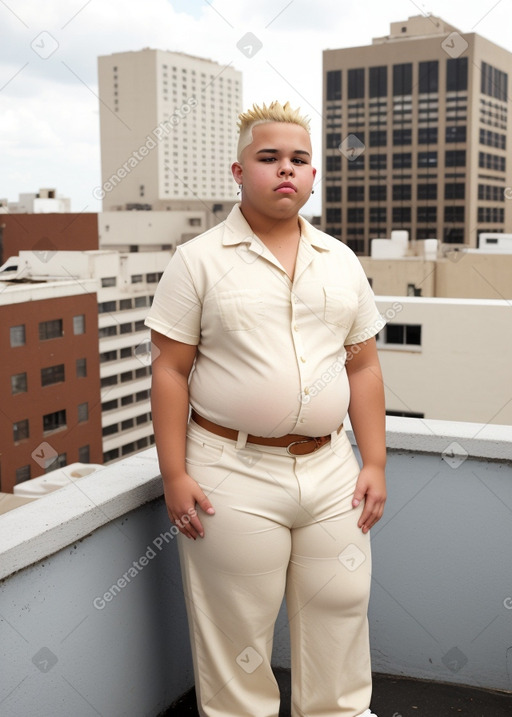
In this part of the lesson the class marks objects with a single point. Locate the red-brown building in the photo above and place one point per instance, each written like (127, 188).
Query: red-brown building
(49, 379)
(47, 232)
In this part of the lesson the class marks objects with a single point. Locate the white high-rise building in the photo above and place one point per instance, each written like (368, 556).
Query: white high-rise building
(168, 125)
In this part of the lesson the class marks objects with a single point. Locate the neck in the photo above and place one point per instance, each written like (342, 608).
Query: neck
(270, 229)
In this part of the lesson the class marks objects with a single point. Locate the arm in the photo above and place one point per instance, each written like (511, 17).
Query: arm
(172, 363)
(367, 415)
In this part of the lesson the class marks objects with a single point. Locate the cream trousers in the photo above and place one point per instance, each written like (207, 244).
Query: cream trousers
(284, 526)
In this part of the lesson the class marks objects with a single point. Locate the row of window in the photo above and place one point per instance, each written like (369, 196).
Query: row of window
(127, 424)
(400, 192)
(127, 328)
(404, 77)
(356, 215)
(54, 421)
(493, 82)
(52, 329)
(128, 448)
(49, 376)
(402, 160)
(493, 139)
(451, 235)
(124, 304)
(24, 473)
(401, 137)
(400, 334)
(491, 161)
(491, 214)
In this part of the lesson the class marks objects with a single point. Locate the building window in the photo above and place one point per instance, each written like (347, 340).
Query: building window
(405, 414)
(83, 412)
(453, 235)
(378, 192)
(125, 304)
(356, 84)
(378, 215)
(126, 352)
(107, 331)
(401, 192)
(494, 82)
(50, 329)
(333, 215)
(19, 383)
(105, 307)
(456, 134)
(455, 158)
(127, 400)
(137, 278)
(356, 163)
(110, 430)
(402, 160)
(333, 194)
(427, 135)
(108, 281)
(333, 140)
(141, 301)
(403, 334)
(17, 335)
(378, 161)
(454, 214)
(402, 79)
(428, 76)
(79, 324)
(334, 163)
(401, 215)
(52, 374)
(457, 190)
(20, 430)
(355, 215)
(496, 215)
(57, 462)
(81, 368)
(379, 81)
(126, 328)
(22, 474)
(334, 85)
(427, 191)
(111, 455)
(427, 214)
(402, 136)
(54, 421)
(84, 454)
(108, 356)
(427, 159)
(355, 193)
(457, 74)
(490, 192)
(491, 161)
(378, 138)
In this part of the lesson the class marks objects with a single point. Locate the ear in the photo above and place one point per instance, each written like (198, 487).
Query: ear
(237, 171)
(314, 172)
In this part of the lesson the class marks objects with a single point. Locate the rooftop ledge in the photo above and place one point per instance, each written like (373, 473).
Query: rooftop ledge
(90, 586)
(34, 531)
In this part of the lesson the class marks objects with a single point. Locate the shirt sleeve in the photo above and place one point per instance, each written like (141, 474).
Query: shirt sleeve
(368, 321)
(176, 308)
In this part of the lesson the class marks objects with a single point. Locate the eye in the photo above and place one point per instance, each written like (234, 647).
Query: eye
(298, 160)
(268, 159)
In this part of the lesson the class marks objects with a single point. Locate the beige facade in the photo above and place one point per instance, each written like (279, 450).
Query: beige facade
(168, 128)
(447, 359)
(416, 132)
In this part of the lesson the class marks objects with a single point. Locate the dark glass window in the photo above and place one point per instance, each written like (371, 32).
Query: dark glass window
(401, 214)
(378, 215)
(83, 412)
(378, 161)
(427, 159)
(17, 335)
(378, 192)
(333, 215)
(401, 192)
(454, 214)
(494, 82)
(455, 158)
(355, 215)
(81, 368)
(355, 193)
(333, 140)
(453, 235)
(20, 430)
(52, 374)
(429, 76)
(379, 81)
(378, 138)
(409, 334)
(107, 306)
(334, 85)
(426, 214)
(79, 324)
(402, 136)
(402, 160)
(356, 84)
(427, 191)
(334, 163)
(456, 190)
(19, 383)
(402, 79)
(22, 474)
(84, 454)
(456, 134)
(457, 74)
(427, 135)
(50, 329)
(55, 420)
(333, 194)
(356, 163)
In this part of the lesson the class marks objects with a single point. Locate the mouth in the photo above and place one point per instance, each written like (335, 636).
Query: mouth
(286, 188)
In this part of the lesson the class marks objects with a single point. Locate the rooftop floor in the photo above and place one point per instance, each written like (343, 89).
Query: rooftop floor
(398, 697)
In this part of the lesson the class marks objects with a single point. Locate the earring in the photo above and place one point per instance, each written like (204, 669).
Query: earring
(239, 190)
(312, 191)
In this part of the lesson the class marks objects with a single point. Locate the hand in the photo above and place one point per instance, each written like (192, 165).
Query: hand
(371, 485)
(181, 496)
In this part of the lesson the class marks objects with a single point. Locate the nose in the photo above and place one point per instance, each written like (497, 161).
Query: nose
(286, 168)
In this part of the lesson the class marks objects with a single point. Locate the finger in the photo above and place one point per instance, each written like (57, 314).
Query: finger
(204, 503)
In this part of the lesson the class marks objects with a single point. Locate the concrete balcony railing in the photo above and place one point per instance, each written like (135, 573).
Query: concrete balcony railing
(92, 620)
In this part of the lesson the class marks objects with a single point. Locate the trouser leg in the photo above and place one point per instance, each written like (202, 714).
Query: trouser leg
(327, 594)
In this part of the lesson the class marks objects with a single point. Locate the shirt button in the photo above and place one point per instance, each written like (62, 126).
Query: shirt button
(303, 359)
(302, 420)
(295, 327)
(306, 391)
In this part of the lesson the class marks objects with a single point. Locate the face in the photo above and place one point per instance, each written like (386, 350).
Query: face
(275, 170)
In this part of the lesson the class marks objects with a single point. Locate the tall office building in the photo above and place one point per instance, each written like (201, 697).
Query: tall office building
(168, 129)
(416, 133)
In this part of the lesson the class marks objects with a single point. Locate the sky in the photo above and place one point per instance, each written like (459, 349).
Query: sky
(49, 107)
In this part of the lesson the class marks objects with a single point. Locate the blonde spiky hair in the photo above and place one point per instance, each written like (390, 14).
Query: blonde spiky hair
(275, 112)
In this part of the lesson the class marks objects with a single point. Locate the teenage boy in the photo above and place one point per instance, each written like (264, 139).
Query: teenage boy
(265, 327)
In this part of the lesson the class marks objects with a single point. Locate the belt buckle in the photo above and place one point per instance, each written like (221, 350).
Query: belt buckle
(317, 441)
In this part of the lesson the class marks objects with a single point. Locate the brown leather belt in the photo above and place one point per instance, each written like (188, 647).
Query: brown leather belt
(296, 445)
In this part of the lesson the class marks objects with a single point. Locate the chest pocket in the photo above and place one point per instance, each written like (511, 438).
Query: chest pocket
(340, 307)
(241, 310)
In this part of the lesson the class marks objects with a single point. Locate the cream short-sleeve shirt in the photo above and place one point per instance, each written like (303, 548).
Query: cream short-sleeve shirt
(270, 352)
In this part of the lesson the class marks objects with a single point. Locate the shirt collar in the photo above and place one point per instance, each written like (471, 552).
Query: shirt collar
(237, 231)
